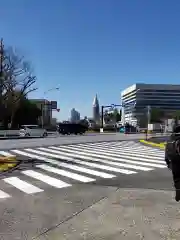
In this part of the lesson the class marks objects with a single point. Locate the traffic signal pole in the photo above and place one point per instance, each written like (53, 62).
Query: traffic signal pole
(102, 113)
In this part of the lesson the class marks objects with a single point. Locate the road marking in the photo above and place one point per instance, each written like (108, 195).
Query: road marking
(134, 149)
(4, 195)
(62, 154)
(105, 144)
(47, 154)
(67, 165)
(83, 154)
(87, 157)
(85, 170)
(6, 154)
(27, 154)
(113, 152)
(22, 185)
(123, 145)
(124, 165)
(138, 153)
(45, 178)
(34, 155)
(124, 150)
(66, 173)
(138, 148)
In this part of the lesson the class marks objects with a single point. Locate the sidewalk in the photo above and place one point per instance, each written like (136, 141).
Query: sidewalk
(129, 214)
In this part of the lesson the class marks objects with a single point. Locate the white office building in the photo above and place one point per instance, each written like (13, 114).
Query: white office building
(136, 98)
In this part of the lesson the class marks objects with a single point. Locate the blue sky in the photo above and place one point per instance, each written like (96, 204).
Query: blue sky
(96, 46)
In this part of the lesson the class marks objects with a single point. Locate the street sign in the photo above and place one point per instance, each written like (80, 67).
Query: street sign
(53, 105)
(112, 106)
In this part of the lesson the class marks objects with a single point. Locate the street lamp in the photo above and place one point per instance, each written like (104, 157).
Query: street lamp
(42, 105)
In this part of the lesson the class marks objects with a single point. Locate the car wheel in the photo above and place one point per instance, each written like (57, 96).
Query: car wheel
(27, 135)
(45, 134)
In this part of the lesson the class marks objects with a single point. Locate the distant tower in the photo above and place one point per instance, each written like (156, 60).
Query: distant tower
(96, 115)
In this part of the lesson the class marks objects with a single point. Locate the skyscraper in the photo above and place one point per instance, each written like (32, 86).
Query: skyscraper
(75, 115)
(96, 115)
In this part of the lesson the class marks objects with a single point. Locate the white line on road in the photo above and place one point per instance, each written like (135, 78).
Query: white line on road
(82, 154)
(66, 173)
(124, 165)
(61, 155)
(84, 170)
(116, 152)
(45, 178)
(130, 148)
(67, 165)
(127, 151)
(22, 185)
(4, 195)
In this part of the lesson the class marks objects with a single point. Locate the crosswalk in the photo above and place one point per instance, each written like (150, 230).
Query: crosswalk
(65, 165)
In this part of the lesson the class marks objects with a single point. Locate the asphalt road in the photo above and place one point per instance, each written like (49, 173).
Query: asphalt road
(159, 139)
(58, 140)
(28, 217)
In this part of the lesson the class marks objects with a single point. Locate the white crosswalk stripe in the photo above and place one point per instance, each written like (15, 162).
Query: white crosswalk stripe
(45, 178)
(22, 185)
(80, 163)
(66, 173)
(4, 195)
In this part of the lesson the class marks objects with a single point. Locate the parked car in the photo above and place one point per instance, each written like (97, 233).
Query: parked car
(32, 131)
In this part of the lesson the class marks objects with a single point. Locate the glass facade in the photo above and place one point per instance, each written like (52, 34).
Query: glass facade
(136, 99)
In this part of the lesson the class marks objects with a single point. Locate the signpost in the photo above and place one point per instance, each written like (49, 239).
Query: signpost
(53, 105)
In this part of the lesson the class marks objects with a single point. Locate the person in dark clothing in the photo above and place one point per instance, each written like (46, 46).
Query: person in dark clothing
(172, 158)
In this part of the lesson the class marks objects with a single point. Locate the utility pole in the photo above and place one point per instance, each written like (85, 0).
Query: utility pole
(102, 118)
(148, 119)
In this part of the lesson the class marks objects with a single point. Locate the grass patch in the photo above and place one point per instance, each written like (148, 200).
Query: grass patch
(160, 145)
(7, 163)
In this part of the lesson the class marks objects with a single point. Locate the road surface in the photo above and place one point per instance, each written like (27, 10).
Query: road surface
(21, 143)
(36, 199)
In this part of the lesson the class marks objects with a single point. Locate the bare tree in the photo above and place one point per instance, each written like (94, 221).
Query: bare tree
(17, 80)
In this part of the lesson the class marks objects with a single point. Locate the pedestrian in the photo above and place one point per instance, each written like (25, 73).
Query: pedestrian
(172, 158)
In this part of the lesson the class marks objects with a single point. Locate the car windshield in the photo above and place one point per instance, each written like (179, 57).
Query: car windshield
(32, 126)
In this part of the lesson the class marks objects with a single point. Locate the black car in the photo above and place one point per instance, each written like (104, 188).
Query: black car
(72, 128)
(172, 149)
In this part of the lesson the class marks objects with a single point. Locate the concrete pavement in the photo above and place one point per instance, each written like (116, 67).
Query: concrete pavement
(129, 214)
(95, 211)
(26, 217)
(101, 209)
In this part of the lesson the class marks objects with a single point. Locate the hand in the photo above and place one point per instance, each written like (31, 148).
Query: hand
(169, 166)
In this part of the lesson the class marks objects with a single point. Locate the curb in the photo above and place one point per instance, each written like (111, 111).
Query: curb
(7, 163)
(159, 145)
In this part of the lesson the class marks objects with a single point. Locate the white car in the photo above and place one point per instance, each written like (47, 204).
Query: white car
(32, 131)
